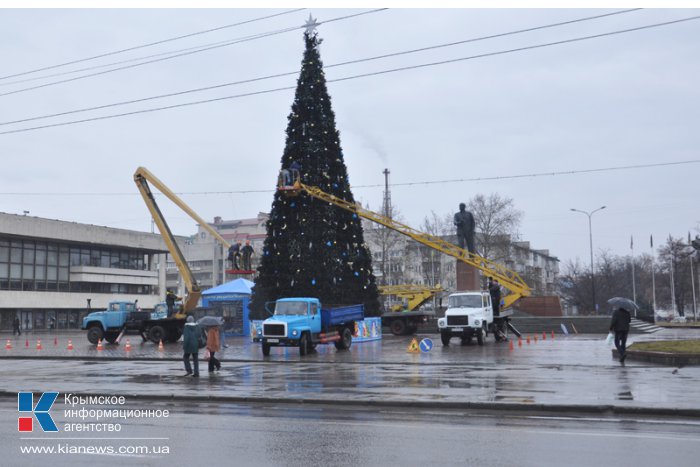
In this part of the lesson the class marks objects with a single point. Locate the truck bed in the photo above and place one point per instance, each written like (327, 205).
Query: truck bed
(404, 313)
(341, 314)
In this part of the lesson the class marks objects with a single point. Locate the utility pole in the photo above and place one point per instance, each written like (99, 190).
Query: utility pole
(590, 238)
(653, 282)
(634, 285)
(673, 285)
(386, 208)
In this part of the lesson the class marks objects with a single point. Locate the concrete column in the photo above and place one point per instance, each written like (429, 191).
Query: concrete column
(162, 265)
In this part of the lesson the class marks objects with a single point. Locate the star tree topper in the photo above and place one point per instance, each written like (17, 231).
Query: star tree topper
(310, 25)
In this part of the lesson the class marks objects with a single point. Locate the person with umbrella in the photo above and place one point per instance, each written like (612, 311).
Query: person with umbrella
(213, 346)
(620, 323)
(212, 324)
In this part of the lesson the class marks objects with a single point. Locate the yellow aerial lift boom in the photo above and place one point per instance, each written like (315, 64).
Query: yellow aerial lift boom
(415, 294)
(509, 279)
(142, 177)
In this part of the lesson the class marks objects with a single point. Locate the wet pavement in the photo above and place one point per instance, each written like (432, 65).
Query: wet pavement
(303, 435)
(574, 371)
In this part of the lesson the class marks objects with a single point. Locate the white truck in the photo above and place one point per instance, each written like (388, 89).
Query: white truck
(468, 315)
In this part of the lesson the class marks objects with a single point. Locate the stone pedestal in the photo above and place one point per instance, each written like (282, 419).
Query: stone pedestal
(467, 277)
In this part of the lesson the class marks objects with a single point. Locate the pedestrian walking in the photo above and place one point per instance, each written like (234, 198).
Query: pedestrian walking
(247, 252)
(620, 325)
(16, 327)
(213, 346)
(190, 346)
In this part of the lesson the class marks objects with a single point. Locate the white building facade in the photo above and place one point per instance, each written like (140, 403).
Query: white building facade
(49, 269)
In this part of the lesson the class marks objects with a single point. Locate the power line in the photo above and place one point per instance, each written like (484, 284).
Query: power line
(363, 75)
(344, 63)
(278, 75)
(541, 174)
(190, 51)
(121, 62)
(185, 52)
(425, 182)
(129, 49)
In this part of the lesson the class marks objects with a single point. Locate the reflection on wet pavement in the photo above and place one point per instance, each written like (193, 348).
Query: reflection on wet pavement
(578, 370)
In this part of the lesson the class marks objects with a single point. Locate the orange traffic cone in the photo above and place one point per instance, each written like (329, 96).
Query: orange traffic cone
(160, 345)
(38, 344)
(510, 346)
(99, 345)
(128, 346)
(8, 346)
(544, 336)
(55, 341)
(552, 334)
(520, 341)
(528, 340)
(70, 344)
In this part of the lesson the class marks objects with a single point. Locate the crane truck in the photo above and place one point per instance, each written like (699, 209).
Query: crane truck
(120, 317)
(404, 319)
(476, 321)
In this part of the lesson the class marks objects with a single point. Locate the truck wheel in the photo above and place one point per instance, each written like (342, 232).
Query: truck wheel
(303, 344)
(94, 334)
(398, 327)
(480, 337)
(266, 349)
(111, 337)
(445, 338)
(157, 334)
(174, 335)
(345, 340)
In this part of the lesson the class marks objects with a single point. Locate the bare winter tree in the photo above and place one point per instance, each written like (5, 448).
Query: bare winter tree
(389, 244)
(497, 224)
(674, 262)
(432, 260)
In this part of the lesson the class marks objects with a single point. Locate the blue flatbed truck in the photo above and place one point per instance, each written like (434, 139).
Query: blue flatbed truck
(302, 322)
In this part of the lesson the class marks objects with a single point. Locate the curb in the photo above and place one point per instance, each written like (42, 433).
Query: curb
(481, 406)
(662, 358)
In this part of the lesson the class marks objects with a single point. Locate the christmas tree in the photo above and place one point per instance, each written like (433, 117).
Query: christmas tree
(313, 248)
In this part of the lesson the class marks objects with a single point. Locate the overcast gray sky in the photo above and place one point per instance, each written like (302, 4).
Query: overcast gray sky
(624, 100)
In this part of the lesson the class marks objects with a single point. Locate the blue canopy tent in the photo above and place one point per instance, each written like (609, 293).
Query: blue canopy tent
(230, 301)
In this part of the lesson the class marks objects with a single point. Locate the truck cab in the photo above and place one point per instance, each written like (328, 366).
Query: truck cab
(292, 317)
(468, 315)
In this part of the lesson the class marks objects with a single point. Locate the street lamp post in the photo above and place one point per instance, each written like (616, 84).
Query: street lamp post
(590, 239)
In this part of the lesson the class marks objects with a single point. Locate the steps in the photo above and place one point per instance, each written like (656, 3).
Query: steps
(643, 327)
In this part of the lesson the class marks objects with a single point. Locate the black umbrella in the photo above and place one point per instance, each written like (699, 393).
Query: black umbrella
(210, 321)
(625, 303)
